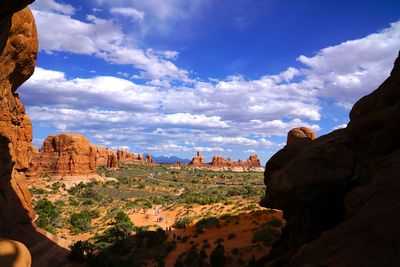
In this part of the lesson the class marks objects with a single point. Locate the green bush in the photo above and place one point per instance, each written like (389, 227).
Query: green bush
(182, 222)
(217, 256)
(265, 234)
(49, 215)
(80, 222)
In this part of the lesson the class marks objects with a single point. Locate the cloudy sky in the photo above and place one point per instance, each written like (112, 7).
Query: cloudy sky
(225, 77)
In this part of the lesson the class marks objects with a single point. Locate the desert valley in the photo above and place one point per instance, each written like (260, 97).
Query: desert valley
(329, 200)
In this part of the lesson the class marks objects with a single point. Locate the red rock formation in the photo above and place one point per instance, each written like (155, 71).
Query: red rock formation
(300, 134)
(126, 157)
(149, 159)
(340, 193)
(70, 155)
(253, 161)
(18, 50)
(219, 161)
(197, 160)
(17, 63)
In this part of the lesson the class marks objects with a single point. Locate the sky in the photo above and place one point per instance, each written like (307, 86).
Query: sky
(224, 77)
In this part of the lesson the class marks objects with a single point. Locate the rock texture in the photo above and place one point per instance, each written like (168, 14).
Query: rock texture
(70, 155)
(198, 159)
(219, 161)
(129, 158)
(300, 134)
(18, 50)
(17, 63)
(340, 193)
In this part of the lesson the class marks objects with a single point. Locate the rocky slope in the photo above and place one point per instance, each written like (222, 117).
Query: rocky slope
(340, 192)
(18, 51)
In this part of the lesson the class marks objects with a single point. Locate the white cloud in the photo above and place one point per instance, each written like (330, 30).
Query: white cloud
(134, 14)
(250, 151)
(53, 6)
(209, 149)
(349, 70)
(103, 39)
(341, 126)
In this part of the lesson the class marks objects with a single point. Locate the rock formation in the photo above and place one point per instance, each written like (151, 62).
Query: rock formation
(70, 155)
(18, 50)
(197, 160)
(149, 159)
(219, 161)
(340, 193)
(126, 157)
(17, 63)
(300, 134)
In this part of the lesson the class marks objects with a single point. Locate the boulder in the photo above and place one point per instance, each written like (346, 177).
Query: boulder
(300, 134)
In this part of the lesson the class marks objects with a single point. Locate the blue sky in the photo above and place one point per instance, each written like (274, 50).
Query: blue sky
(225, 77)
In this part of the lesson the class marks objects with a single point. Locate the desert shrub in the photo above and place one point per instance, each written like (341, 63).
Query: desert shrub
(217, 256)
(37, 191)
(122, 217)
(49, 215)
(81, 250)
(182, 222)
(208, 222)
(231, 236)
(265, 234)
(80, 222)
(184, 239)
(275, 222)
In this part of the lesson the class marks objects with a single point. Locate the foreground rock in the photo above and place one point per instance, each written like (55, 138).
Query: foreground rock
(340, 193)
(18, 50)
(299, 135)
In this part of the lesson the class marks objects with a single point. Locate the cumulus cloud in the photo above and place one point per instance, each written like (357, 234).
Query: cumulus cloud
(103, 39)
(349, 70)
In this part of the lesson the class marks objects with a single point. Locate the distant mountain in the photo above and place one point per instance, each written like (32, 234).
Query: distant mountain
(170, 160)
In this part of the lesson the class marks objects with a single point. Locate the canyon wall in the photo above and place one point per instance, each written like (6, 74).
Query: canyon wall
(340, 192)
(18, 51)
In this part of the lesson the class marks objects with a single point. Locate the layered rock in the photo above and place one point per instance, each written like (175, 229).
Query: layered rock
(219, 161)
(340, 193)
(299, 135)
(17, 63)
(198, 159)
(18, 50)
(126, 157)
(70, 155)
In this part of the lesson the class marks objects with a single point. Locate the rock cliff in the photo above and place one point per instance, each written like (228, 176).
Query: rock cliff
(340, 192)
(18, 51)
(219, 161)
(17, 64)
(300, 134)
(70, 155)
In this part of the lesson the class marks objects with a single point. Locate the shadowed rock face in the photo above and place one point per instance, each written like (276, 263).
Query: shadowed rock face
(340, 192)
(18, 61)
(18, 50)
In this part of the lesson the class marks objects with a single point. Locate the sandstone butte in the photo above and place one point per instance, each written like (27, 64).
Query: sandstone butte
(70, 154)
(219, 161)
(340, 193)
